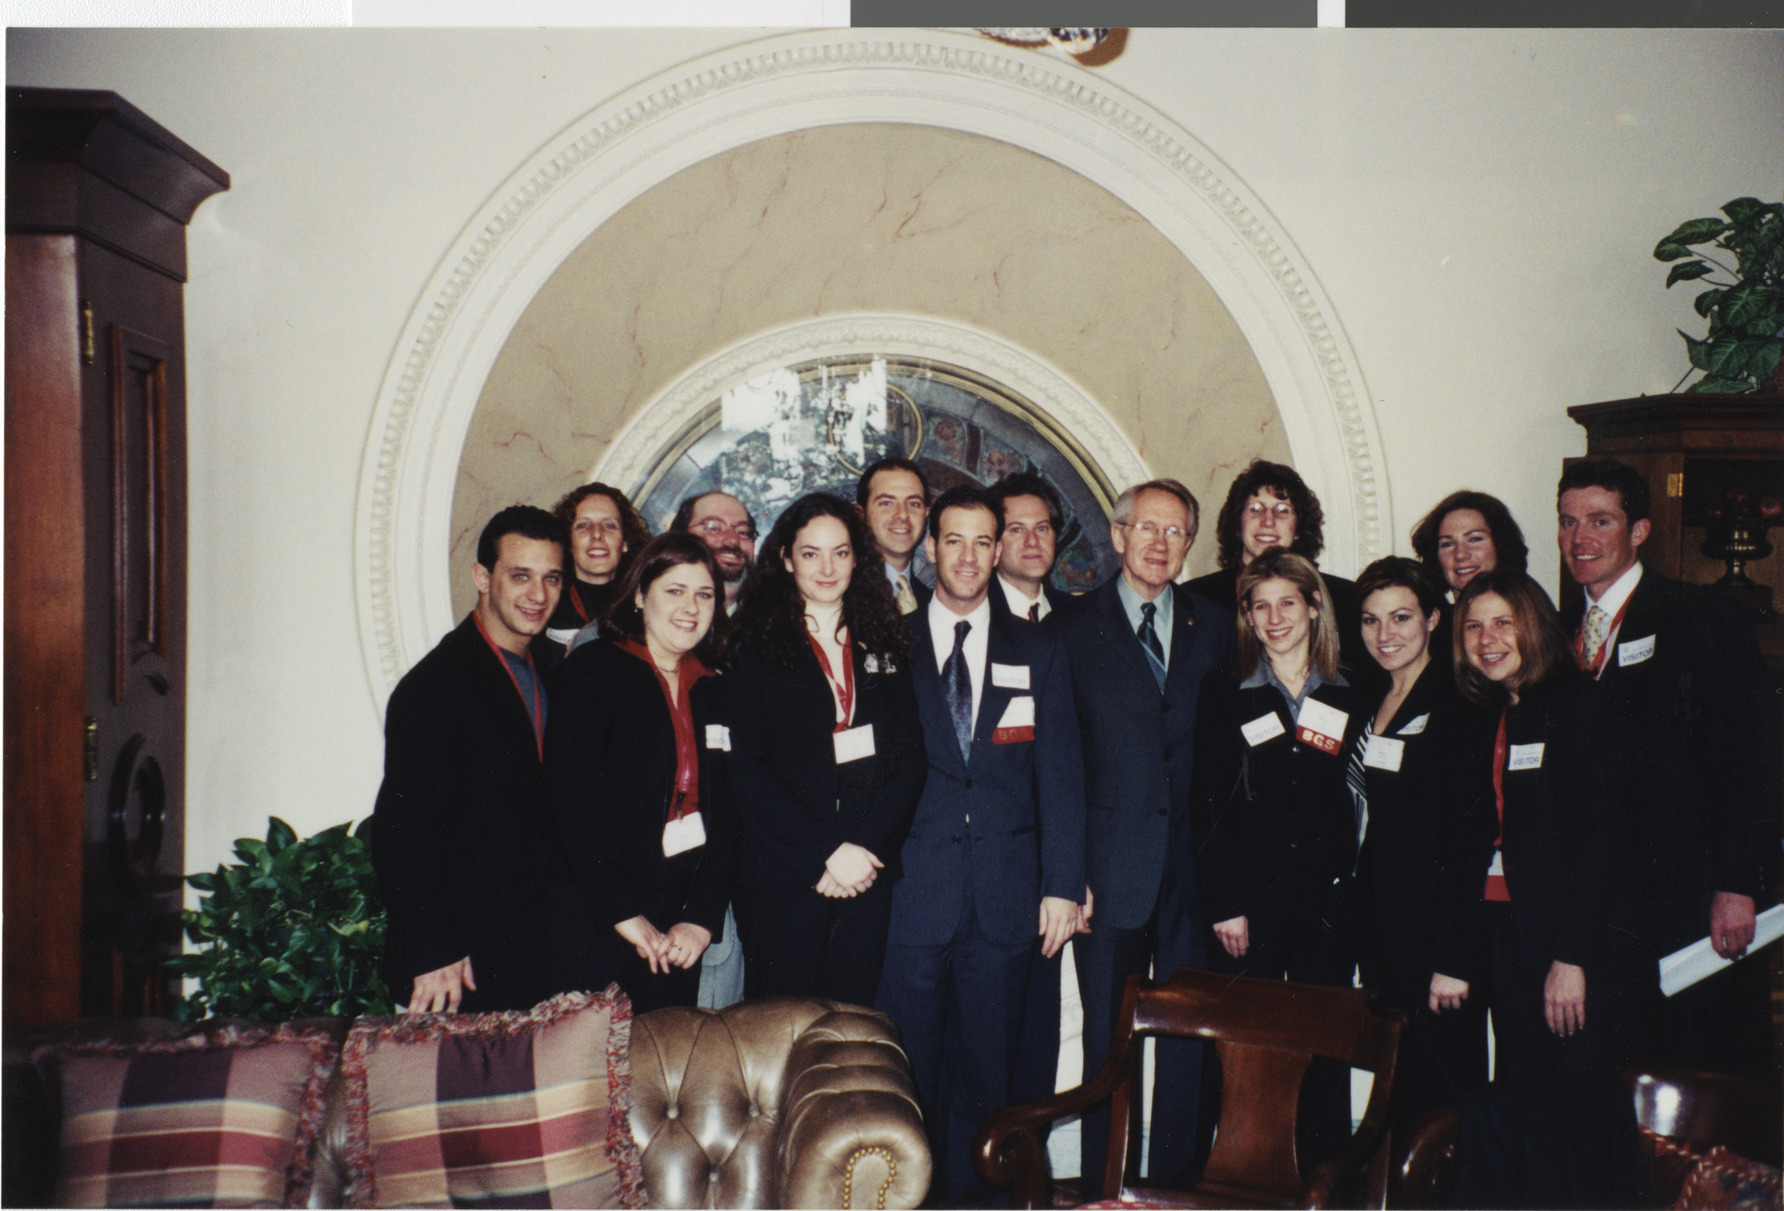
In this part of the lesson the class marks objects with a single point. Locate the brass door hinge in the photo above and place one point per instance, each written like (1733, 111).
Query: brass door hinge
(89, 349)
(90, 748)
(1675, 484)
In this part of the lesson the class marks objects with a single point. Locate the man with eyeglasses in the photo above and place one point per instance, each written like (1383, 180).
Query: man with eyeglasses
(720, 521)
(1270, 505)
(604, 531)
(1139, 647)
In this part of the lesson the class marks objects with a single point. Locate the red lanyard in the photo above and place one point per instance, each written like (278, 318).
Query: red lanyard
(538, 711)
(686, 799)
(1610, 633)
(844, 689)
(576, 603)
(1495, 888)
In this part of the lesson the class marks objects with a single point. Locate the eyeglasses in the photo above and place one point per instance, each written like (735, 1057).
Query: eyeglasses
(1281, 510)
(715, 529)
(1151, 531)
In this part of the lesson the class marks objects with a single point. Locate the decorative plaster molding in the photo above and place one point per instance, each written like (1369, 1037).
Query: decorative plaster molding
(796, 81)
(1071, 410)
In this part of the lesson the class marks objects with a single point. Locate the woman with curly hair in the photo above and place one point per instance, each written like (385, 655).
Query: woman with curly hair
(827, 757)
(1469, 533)
(606, 534)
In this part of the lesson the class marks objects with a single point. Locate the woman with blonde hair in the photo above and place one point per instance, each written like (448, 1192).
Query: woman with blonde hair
(1278, 847)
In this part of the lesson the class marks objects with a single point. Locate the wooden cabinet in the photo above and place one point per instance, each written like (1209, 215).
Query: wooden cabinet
(1692, 448)
(98, 196)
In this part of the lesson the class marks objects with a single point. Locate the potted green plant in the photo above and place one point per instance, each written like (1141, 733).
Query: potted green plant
(1745, 305)
(295, 929)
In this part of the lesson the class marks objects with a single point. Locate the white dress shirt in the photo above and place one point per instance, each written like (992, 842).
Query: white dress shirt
(977, 647)
(1613, 600)
(1020, 601)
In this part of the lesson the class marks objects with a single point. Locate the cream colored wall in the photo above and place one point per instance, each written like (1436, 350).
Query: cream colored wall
(906, 220)
(1478, 206)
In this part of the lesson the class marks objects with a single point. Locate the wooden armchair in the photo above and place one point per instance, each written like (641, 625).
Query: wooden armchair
(1265, 1032)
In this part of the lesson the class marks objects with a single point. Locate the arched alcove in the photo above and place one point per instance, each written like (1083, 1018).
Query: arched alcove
(1014, 201)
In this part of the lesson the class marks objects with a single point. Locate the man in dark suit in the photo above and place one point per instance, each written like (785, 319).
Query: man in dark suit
(1681, 665)
(460, 831)
(1270, 505)
(893, 496)
(1139, 647)
(993, 864)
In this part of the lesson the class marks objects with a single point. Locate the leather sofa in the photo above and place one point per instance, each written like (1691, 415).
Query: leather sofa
(779, 1103)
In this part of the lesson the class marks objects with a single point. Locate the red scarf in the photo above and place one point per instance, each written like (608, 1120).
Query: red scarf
(686, 799)
(1495, 889)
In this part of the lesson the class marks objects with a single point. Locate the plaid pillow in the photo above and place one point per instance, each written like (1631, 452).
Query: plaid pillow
(221, 1118)
(504, 1109)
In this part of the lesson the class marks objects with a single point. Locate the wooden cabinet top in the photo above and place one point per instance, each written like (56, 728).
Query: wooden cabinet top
(1699, 424)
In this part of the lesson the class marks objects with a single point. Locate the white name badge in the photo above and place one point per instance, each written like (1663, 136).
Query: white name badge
(679, 836)
(854, 744)
(1264, 727)
(1525, 756)
(1009, 676)
(1384, 752)
(718, 736)
(1019, 712)
(1416, 727)
(1498, 866)
(561, 635)
(1321, 726)
(1635, 651)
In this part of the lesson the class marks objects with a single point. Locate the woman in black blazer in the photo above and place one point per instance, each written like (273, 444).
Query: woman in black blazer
(827, 757)
(1280, 829)
(1420, 772)
(635, 748)
(1573, 971)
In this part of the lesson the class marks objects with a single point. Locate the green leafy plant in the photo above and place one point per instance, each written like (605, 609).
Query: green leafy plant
(295, 929)
(1741, 352)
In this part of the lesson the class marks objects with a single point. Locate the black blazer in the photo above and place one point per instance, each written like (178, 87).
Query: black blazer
(1428, 843)
(1577, 888)
(610, 756)
(1701, 745)
(1222, 588)
(459, 833)
(794, 803)
(1025, 797)
(1139, 744)
(1278, 818)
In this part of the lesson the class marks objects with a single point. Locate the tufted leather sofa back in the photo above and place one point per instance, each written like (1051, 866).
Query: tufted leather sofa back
(778, 1103)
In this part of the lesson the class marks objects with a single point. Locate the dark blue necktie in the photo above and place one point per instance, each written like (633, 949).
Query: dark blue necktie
(959, 684)
(1155, 651)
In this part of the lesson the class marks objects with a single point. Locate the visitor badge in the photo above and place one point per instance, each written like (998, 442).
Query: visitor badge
(1498, 867)
(718, 736)
(1321, 726)
(1010, 677)
(561, 635)
(1264, 727)
(679, 836)
(854, 743)
(1416, 727)
(1525, 756)
(1384, 752)
(1635, 651)
(1017, 724)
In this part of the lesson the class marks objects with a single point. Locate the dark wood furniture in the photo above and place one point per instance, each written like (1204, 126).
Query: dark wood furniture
(1690, 448)
(1265, 1032)
(97, 201)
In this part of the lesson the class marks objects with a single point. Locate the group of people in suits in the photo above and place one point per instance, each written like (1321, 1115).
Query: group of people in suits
(911, 771)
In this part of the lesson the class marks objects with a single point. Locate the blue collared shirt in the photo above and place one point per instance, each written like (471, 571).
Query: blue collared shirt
(1161, 622)
(1265, 675)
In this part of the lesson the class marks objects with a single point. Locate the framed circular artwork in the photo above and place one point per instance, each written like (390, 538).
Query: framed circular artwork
(812, 427)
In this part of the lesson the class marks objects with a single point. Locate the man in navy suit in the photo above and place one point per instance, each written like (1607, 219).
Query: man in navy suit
(994, 862)
(1139, 647)
(893, 496)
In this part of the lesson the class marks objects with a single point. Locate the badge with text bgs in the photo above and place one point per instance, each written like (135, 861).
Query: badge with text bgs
(1416, 727)
(1009, 676)
(718, 736)
(1321, 726)
(1384, 752)
(1264, 727)
(1017, 724)
(1525, 756)
(1635, 651)
(854, 743)
(679, 836)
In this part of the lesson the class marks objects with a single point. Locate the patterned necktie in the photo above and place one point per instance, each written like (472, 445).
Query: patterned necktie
(907, 600)
(958, 683)
(1357, 779)
(1598, 625)
(1155, 651)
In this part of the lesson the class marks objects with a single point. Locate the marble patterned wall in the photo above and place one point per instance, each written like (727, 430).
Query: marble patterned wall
(889, 219)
